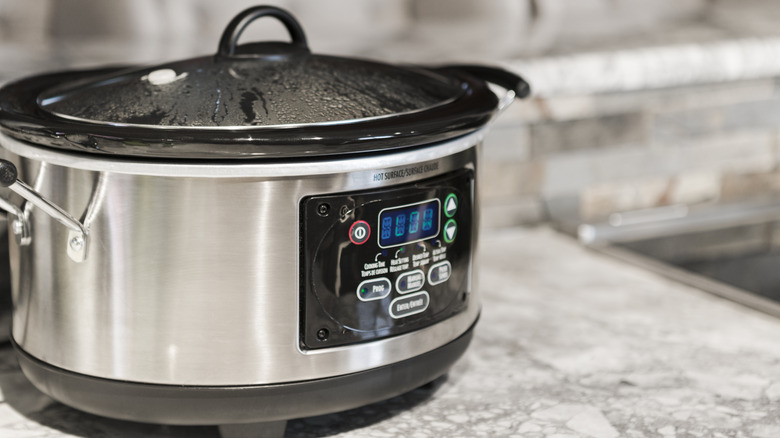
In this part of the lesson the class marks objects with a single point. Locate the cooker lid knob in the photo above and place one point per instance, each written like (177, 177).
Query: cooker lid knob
(228, 42)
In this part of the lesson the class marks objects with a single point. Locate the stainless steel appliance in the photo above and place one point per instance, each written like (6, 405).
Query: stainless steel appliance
(257, 235)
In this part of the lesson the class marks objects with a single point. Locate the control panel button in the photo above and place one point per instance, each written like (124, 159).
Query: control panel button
(439, 272)
(374, 289)
(450, 205)
(409, 304)
(410, 281)
(359, 232)
(450, 230)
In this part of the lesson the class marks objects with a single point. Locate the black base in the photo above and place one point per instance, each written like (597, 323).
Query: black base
(214, 405)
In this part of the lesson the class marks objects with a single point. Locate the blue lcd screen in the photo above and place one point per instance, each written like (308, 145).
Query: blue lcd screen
(408, 223)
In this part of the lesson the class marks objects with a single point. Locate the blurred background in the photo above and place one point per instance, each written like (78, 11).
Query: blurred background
(636, 103)
(637, 106)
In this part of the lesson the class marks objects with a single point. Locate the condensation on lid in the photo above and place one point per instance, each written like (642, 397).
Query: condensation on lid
(264, 91)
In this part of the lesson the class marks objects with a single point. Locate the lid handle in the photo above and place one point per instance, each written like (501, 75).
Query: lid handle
(234, 29)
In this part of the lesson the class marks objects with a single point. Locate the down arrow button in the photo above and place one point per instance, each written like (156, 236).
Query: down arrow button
(450, 230)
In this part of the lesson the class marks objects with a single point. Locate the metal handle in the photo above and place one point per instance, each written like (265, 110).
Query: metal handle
(77, 235)
(20, 225)
(234, 29)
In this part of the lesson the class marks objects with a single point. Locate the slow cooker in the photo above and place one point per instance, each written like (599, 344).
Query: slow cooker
(251, 236)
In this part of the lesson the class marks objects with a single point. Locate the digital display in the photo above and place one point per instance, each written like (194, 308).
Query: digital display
(408, 223)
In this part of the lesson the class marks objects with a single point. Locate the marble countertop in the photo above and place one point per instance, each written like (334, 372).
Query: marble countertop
(571, 343)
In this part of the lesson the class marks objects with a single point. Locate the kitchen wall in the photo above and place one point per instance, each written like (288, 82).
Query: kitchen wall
(583, 157)
(684, 110)
(636, 104)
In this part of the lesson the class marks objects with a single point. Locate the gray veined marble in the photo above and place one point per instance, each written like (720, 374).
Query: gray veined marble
(570, 344)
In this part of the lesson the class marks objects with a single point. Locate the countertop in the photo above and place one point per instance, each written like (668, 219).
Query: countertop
(571, 343)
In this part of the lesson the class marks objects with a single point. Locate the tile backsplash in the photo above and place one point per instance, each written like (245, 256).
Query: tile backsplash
(592, 155)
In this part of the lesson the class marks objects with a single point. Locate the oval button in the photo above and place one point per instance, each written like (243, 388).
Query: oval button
(439, 272)
(374, 289)
(410, 281)
(409, 304)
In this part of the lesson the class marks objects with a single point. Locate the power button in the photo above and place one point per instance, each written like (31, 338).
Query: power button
(359, 232)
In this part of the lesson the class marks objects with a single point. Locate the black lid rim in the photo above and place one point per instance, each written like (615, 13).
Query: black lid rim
(22, 117)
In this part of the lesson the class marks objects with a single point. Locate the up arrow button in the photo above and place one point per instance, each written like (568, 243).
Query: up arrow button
(450, 205)
(450, 230)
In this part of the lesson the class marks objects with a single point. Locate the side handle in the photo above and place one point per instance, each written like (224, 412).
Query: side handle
(496, 75)
(516, 87)
(77, 232)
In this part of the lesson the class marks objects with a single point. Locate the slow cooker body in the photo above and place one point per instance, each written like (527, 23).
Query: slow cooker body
(243, 292)
(250, 236)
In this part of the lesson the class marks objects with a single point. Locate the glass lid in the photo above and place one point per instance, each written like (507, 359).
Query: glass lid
(256, 100)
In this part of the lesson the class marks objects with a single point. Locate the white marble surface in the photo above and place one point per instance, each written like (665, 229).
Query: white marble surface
(570, 344)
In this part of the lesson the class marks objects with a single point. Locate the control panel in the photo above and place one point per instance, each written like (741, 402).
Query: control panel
(385, 262)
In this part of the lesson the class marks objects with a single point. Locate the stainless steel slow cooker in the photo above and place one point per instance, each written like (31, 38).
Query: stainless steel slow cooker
(257, 235)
